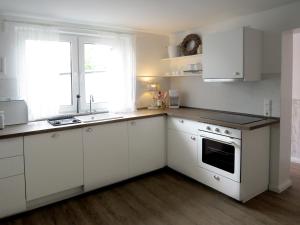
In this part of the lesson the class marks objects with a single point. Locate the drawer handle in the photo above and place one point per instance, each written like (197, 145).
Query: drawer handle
(193, 138)
(217, 178)
(55, 135)
(181, 121)
(89, 130)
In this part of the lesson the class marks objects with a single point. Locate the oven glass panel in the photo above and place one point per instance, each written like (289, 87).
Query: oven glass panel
(218, 154)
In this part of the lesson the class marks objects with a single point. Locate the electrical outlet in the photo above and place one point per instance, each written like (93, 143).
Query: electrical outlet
(2, 65)
(267, 107)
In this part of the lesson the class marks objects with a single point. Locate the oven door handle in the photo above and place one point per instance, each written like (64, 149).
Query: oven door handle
(229, 143)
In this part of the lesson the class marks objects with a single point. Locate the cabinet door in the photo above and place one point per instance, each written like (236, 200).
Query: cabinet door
(223, 55)
(182, 152)
(12, 195)
(53, 162)
(146, 145)
(105, 154)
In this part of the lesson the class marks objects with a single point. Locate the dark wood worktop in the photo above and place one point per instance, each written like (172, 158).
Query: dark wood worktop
(199, 115)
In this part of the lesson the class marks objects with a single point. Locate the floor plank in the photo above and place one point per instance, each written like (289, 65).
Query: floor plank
(167, 198)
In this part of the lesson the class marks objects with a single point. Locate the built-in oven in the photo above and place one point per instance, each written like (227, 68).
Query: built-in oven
(219, 150)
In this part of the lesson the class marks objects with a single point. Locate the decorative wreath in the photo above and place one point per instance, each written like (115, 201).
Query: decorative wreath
(187, 41)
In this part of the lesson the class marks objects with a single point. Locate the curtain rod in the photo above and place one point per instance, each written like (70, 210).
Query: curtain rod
(68, 26)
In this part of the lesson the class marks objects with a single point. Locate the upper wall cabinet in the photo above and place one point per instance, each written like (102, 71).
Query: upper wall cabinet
(233, 55)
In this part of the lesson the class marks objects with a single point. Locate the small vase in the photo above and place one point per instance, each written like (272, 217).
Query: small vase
(173, 51)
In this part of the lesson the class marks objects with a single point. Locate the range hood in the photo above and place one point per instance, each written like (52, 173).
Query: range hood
(234, 55)
(223, 80)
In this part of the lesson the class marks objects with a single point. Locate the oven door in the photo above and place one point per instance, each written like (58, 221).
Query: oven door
(220, 154)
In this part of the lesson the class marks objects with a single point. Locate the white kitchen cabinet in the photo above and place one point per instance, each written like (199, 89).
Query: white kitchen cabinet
(105, 154)
(12, 183)
(12, 195)
(53, 162)
(146, 145)
(11, 147)
(231, 55)
(182, 152)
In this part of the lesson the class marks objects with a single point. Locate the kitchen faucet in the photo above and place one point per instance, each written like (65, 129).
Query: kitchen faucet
(91, 100)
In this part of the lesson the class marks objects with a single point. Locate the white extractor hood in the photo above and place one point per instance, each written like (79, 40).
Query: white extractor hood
(234, 55)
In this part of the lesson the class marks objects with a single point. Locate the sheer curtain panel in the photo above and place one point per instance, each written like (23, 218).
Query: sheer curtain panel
(38, 70)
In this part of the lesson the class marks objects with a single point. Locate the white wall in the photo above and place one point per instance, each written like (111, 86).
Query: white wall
(150, 48)
(7, 81)
(296, 99)
(284, 156)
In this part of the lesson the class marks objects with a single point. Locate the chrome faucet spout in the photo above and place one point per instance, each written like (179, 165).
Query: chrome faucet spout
(91, 101)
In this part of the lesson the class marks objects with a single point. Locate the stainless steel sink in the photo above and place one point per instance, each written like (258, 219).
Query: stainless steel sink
(98, 117)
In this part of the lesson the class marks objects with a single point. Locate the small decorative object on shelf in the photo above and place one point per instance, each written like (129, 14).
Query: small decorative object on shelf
(190, 44)
(173, 51)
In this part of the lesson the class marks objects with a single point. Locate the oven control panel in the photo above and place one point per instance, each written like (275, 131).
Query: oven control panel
(225, 131)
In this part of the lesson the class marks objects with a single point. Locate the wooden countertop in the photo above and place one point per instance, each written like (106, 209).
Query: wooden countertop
(200, 115)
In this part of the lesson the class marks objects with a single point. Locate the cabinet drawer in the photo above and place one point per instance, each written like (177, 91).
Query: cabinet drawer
(184, 125)
(11, 166)
(220, 183)
(12, 195)
(11, 147)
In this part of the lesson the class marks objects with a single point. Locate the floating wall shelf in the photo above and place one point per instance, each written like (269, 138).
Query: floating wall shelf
(182, 57)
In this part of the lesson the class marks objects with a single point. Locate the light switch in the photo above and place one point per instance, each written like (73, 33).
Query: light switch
(267, 107)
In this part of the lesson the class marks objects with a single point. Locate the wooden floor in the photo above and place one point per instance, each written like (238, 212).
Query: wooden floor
(168, 198)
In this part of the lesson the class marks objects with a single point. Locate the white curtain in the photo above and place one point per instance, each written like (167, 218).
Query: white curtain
(37, 70)
(122, 72)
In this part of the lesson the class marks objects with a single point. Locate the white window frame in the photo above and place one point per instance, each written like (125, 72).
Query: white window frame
(98, 106)
(74, 72)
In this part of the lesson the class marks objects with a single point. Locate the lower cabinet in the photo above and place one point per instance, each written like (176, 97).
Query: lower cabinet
(105, 154)
(146, 145)
(53, 163)
(182, 152)
(12, 182)
(12, 195)
(218, 182)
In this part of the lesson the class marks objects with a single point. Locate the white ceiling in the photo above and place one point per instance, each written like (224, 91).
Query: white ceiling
(162, 16)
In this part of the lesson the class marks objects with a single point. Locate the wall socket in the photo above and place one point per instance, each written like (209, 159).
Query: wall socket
(267, 107)
(2, 65)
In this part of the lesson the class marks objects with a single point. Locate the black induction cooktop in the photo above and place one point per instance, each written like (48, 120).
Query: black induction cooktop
(232, 118)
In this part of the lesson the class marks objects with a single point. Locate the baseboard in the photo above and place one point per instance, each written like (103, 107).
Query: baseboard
(33, 204)
(282, 187)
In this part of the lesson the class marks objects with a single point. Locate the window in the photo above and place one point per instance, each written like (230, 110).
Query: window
(53, 68)
(96, 62)
(50, 77)
(54, 49)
